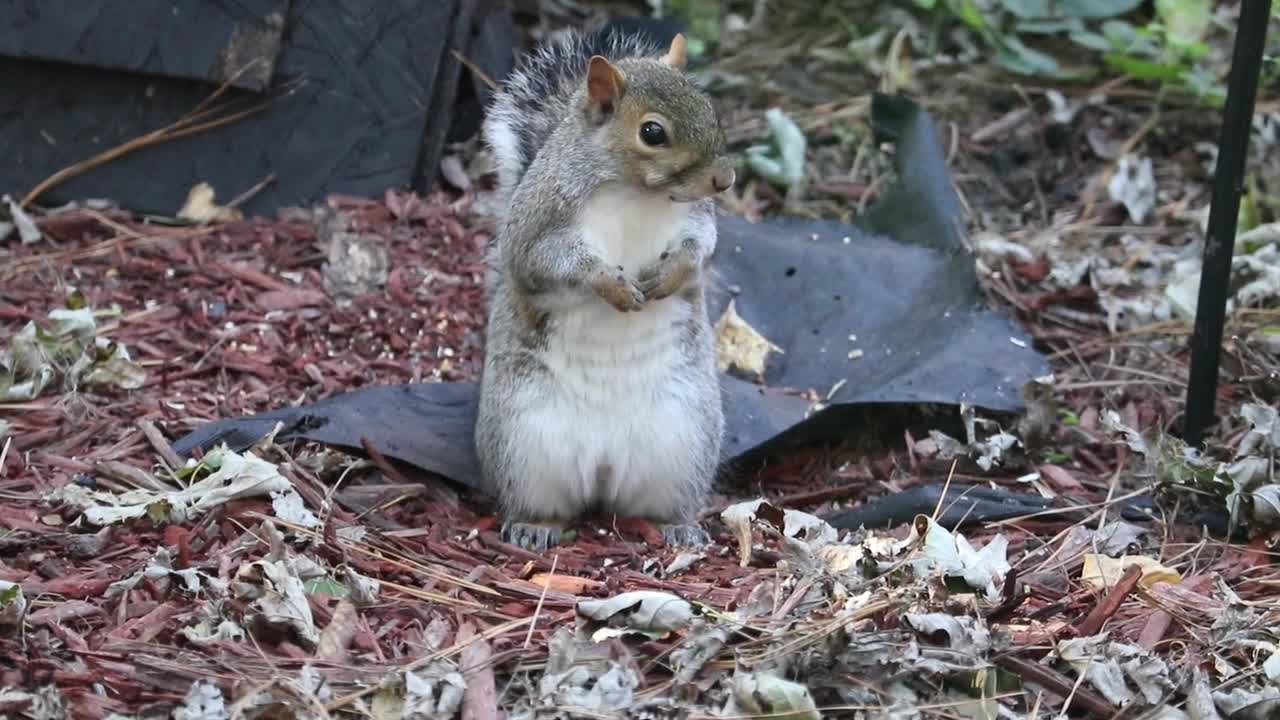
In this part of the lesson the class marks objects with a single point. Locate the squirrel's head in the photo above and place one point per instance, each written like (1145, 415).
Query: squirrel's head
(663, 130)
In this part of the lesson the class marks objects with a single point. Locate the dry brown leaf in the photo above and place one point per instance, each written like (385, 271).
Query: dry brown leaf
(739, 345)
(566, 583)
(201, 208)
(1102, 571)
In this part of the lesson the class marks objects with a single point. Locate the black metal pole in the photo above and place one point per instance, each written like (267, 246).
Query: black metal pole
(1219, 242)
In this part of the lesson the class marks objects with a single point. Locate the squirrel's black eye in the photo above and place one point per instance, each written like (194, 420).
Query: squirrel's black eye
(652, 133)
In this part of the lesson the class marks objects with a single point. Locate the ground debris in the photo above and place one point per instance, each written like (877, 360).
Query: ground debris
(305, 582)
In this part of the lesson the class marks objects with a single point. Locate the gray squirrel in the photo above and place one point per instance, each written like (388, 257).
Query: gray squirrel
(599, 390)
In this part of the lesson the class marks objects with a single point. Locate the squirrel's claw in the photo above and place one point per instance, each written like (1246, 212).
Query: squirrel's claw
(685, 536)
(621, 292)
(666, 276)
(534, 537)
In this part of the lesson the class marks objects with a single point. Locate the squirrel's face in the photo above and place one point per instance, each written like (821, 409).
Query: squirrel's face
(662, 130)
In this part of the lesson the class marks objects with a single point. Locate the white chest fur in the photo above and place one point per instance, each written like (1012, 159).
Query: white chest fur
(618, 430)
(629, 227)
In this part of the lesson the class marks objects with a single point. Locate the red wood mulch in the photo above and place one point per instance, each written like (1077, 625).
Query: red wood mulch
(234, 319)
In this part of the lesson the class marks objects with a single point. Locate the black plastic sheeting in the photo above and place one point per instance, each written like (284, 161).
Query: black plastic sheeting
(197, 40)
(904, 284)
(375, 103)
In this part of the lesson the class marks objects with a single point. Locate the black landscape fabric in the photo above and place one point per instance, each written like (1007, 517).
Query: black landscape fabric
(901, 282)
(360, 97)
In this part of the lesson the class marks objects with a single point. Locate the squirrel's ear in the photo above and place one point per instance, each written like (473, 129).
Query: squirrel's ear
(604, 83)
(676, 56)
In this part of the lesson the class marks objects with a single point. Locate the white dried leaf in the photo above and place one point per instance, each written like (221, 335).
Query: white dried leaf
(648, 612)
(204, 634)
(313, 684)
(1200, 705)
(967, 635)
(290, 507)
(808, 528)
(1134, 185)
(45, 703)
(1271, 666)
(238, 476)
(432, 696)
(1264, 429)
(13, 604)
(1111, 421)
(28, 232)
(1087, 657)
(1236, 699)
(951, 555)
(991, 450)
(703, 643)
(682, 561)
(1182, 289)
(364, 590)
(204, 701)
(279, 597)
(763, 693)
(996, 248)
(740, 519)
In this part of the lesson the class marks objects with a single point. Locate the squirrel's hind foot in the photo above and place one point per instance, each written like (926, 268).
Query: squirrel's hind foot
(534, 537)
(685, 536)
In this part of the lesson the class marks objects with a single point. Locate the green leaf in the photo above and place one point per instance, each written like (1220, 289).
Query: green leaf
(1057, 457)
(1185, 20)
(782, 162)
(1050, 26)
(113, 366)
(1142, 69)
(1247, 216)
(77, 301)
(1019, 58)
(969, 14)
(1091, 40)
(10, 594)
(1120, 33)
(1097, 9)
(1028, 9)
(326, 586)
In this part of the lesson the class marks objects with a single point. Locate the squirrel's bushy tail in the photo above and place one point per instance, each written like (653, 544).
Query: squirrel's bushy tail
(535, 97)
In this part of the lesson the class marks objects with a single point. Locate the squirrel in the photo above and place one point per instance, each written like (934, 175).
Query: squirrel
(599, 390)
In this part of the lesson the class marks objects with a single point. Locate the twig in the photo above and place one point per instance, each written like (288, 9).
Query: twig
(480, 699)
(245, 196)
(162, 446)
(195, 121)
(541, 598)
(1056, 683)
(456, 648)
(1110, 605)
(475, 69)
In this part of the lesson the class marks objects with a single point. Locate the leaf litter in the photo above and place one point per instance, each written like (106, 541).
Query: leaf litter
(221, 599)
(279, 556)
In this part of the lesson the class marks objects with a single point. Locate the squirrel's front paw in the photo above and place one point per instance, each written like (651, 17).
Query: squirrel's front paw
(619, 290)
(685, 536)
(670, 273)
(535, 537)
